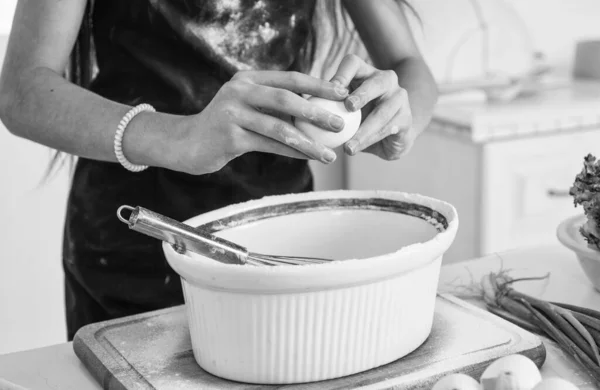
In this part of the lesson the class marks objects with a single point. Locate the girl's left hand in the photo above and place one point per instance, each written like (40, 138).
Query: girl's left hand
(387, 130)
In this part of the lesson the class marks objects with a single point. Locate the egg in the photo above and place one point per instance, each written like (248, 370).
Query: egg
(456, 382)
(555, 384)
(521, 371)
(326, 137)
(506, 381)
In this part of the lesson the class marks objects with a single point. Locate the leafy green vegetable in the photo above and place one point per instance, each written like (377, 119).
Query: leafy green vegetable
(586, 192)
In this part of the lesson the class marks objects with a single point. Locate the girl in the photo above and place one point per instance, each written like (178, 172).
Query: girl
(180, 106)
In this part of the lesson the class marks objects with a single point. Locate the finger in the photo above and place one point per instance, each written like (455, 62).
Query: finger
(350, 68)
(393, 150)
(378, 85)
(286, 134)
(400, 123)
(260, 143)
(375, 126)
(297, 82)
(286, 102)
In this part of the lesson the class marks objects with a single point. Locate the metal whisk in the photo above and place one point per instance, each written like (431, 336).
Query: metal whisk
(183, 237)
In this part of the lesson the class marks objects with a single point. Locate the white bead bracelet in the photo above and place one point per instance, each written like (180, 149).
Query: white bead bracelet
(119, 137)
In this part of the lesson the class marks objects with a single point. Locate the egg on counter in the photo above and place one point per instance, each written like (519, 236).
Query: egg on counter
(456, 382)
(513, 372)
(507, 381)
(329, 138)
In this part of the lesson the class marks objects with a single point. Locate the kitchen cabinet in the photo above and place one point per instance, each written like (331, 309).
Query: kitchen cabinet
(507, 168)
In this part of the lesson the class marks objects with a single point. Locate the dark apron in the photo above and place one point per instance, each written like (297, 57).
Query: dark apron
(175, 55)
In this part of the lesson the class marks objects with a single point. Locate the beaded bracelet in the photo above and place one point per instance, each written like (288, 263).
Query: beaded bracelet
(119, 137)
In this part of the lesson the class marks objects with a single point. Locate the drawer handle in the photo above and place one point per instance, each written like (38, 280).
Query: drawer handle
(558, 193)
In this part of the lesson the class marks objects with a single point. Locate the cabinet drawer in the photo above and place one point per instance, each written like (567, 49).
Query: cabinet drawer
(525, 188)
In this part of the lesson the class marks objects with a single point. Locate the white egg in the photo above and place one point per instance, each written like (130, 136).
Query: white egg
(326, 137)
(456, 382)
(506, 381)
(555, 384)
(522, 372)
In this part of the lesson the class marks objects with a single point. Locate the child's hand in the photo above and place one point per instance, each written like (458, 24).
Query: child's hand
(248, 114)
(387, 129)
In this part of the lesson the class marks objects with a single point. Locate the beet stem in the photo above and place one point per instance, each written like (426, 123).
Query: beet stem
(560, 322)
(583, 310)
(566, 343)
(588, 321)
(567, 315)
(508, 316)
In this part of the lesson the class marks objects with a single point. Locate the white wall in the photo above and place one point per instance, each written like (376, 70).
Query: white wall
(551, 27)
(556, 24)
(31, 290)
(7, 9)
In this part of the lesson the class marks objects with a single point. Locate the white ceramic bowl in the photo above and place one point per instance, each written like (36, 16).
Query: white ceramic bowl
(589, 259)
(292, 324)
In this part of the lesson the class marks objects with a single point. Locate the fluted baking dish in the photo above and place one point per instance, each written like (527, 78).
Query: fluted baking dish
(291, 324)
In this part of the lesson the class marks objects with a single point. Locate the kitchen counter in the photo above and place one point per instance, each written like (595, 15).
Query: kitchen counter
(57, 367)
(558, 106)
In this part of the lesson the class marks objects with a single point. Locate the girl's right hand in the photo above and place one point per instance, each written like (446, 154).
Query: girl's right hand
(246, 115)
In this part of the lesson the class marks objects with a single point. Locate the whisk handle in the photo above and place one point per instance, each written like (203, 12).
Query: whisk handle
(182, 237)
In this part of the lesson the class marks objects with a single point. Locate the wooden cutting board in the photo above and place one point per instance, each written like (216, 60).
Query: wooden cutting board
(153, 351)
